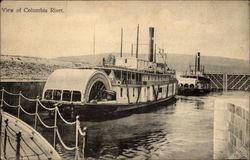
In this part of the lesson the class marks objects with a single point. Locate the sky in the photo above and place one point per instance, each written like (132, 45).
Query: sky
(214, 28)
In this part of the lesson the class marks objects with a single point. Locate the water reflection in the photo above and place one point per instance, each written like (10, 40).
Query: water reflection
(165, 132)
(184, 129)
(199, 105)
(129, 137)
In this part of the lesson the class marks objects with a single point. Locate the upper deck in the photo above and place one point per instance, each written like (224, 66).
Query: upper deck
(135, 65)
(198, 77)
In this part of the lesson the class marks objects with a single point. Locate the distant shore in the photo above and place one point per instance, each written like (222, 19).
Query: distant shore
(23, 68)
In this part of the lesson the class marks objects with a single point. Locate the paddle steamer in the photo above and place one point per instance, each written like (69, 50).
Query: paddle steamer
(194, 82)
(124, 84)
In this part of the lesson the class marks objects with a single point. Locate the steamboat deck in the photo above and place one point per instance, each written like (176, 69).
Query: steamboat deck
(124, 83)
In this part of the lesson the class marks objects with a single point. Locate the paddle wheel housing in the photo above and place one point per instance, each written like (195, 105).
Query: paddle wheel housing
(76, 85)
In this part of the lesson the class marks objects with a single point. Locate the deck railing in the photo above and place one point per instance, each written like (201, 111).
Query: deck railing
(78, 130)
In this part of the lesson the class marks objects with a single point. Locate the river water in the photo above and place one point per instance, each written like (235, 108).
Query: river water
(180, 130)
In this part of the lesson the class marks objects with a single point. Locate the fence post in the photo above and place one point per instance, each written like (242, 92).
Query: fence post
(5, 137)
(1, 120)
(84, 142)
(2, 97)
(76, 140)
(18, 140)
(37, 99)
(55, 127)
(19, 105)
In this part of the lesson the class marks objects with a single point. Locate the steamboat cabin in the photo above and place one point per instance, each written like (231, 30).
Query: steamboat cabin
(123, 84)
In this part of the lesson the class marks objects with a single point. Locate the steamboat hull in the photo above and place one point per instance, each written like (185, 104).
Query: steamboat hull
(193, 92)
(100, 110)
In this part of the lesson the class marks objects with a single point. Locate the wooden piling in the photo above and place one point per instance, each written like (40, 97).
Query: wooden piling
(84, 142)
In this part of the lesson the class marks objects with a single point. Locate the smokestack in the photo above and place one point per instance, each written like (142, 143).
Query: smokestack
(137, 41)
(155, 54)
(195, 65)
(198, 62)
(151, 44)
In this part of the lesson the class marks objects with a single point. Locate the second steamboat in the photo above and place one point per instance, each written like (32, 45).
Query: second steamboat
(194, 82)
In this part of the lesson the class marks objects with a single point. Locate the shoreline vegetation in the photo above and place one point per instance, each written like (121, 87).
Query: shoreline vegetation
(22, 68)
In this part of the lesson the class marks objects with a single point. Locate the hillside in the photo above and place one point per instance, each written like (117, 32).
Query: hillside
(179, 62)
(30, 68)
(33, 68)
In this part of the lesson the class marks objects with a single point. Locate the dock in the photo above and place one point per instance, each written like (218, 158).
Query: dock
(231, 128)
(21, 141)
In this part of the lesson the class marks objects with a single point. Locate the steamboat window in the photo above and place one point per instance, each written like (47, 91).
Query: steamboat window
(57, 95)
(191, 85)
(133, 76)
(139, 77)
(66, 95)
(48, 94)
(121, 90)
(160, 90)
(76, 96)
